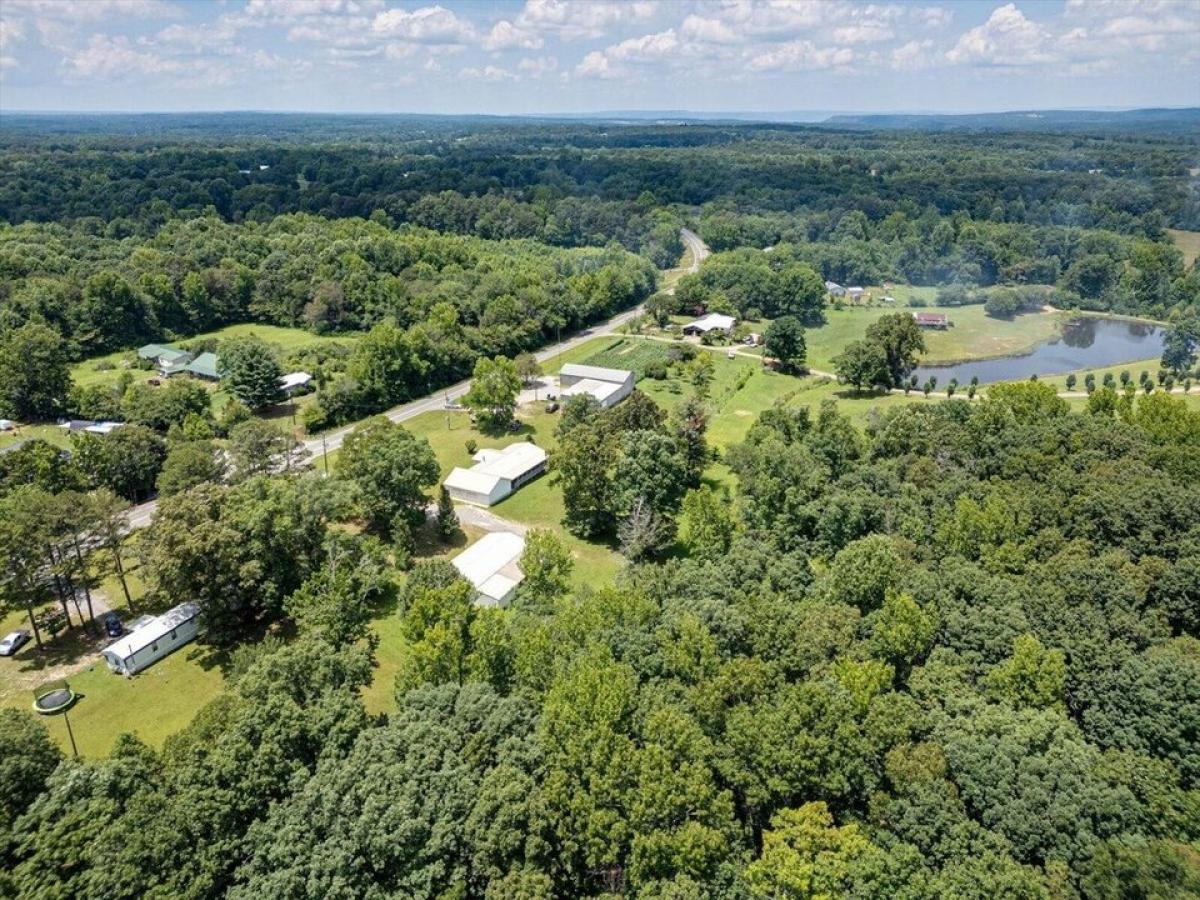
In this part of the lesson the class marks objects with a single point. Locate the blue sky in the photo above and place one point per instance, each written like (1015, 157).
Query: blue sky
(530, 56)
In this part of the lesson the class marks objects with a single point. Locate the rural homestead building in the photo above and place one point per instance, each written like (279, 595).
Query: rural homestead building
(150, 642)
(608, 386)
(204, 366)
(496, 474)
(166, 359)
(171, 361)
(710, 322)
(490, 564)
(932, 320)
(834, 289)
(293, 382)
(854, 293)
(74, 426)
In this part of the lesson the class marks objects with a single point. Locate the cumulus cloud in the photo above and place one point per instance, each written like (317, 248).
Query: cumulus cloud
(864, 33)
(913, 56)
(112, 57)
(507, 36)
(1007, 38)
(575, 19)
(427, 25)
(800, 56)
(536, 67)
(487, 73)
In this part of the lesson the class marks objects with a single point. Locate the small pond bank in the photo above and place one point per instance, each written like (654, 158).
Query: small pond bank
(1085, 342)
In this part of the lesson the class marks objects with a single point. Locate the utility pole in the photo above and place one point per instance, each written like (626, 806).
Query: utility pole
(324, 453)
(71, 735)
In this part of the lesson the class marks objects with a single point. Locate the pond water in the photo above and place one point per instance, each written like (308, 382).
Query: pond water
(1085, 343)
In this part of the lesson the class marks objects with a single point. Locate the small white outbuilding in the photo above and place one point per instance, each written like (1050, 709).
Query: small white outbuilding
(151, 641)
(496, 474)
(608, 386)
(490, 564)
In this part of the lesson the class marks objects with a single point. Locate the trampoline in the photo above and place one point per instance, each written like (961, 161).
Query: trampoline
(53, 698)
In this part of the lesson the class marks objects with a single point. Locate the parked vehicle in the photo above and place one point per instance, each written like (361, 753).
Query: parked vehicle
(14, 642)
(112, 626)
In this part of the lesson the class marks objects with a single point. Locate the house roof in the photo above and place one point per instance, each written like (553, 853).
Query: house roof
(205, 364)
(601, 390)
(711, 322)
(471, 480)
(490, 564)
(294, 379)
(597, 373)
(162, 351)
(930, 317)
(157, 627)
(494, 466)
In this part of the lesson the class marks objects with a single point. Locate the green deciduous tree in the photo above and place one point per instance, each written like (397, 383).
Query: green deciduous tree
(390, 469)
(34, 381)
(784, 340)
(493, 393)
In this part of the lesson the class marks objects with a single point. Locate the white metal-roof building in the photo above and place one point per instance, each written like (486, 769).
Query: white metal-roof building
(710, 322)
(490, 564)
(294, 381)
(608, 386)
(150, 642)
(496, 474)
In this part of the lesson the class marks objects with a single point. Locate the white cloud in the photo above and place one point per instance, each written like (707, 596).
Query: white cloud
(427, 25)
(107, 57)
(487, 73)
(507, 36)
(1007, 38)
(88, 10)
(712, 31)
(865, 33)
(536, 67)
(800, 56)
(596, 65)
(914, 56)
(575, 19)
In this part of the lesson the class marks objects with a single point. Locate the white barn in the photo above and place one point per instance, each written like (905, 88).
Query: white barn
(496, 474)
(608, 386)
(159, 637)
(710, 322)
(490, 564)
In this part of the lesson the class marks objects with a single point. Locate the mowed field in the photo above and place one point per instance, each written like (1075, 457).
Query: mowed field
(1188, 243)
(973, 335)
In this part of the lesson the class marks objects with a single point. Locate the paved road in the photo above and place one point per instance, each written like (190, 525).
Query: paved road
(140, 516)
(699, 249)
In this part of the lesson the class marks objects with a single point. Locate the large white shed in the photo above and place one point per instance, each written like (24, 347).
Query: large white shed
(608, 386)
(490, 564)
(496, 474)
(150, 642)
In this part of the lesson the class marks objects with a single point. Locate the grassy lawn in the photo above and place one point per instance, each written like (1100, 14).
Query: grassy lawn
(50, 433)
(108, 368)
(537, 504)
(1188, 243)
(974, 334)
(153, 704)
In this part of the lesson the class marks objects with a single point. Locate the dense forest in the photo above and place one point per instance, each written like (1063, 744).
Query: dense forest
(955, 655)
(948, 649)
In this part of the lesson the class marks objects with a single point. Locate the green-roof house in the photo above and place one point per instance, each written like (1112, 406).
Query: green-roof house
(204, 366)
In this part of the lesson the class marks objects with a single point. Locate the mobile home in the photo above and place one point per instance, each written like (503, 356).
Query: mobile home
(159, 637)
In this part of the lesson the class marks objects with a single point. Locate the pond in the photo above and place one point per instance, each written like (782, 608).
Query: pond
(1085, 343)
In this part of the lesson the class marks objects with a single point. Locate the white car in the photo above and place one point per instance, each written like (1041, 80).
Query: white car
(14, 642)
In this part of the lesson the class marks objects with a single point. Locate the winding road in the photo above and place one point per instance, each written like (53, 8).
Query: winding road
(140, 516)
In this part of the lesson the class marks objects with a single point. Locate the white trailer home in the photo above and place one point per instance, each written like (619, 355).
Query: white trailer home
(148, 643)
